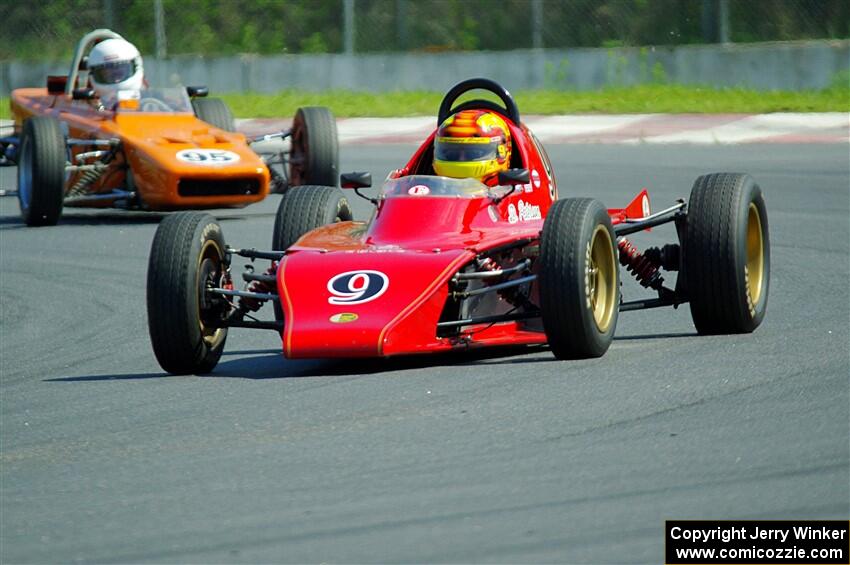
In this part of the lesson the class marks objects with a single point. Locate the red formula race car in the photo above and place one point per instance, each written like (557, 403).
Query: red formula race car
(447, 264)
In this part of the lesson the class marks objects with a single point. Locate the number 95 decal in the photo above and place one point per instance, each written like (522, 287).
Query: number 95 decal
(357, 287)
(207, 156)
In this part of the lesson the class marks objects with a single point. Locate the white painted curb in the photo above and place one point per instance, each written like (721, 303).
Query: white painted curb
(705, 129)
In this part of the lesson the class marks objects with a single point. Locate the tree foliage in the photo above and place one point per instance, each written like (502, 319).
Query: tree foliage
(49, 29)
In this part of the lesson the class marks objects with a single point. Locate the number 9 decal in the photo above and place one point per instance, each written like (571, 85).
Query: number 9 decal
(357, 287)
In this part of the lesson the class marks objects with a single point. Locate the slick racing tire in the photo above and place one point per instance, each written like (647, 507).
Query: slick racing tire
(187, 255)
(215, 112)
(304, 209)
(41, 171)
(314, 154)
(579, 279)
(727, 254)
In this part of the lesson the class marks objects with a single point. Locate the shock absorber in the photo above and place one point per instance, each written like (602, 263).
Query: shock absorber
(261, 285)
(642, 267)
(88, 176)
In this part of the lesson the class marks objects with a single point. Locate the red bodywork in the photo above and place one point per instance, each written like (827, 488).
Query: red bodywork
(419, 243)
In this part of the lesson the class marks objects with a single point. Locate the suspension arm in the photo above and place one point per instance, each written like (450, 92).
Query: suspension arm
(114, 142)
(495, 287)
(489, 319)
(116, 194)
(270, 136)
(264, 278)
(664, 216)
(244, 294)
(255, 254)
(256, 324)
(651, 303)
(524, 264)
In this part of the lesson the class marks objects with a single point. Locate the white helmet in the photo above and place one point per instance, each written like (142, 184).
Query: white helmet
(115, 64)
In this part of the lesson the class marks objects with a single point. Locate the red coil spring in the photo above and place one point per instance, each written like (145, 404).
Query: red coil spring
(643, 269)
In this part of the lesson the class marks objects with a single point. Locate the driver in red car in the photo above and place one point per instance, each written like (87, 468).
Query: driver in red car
(473, 144)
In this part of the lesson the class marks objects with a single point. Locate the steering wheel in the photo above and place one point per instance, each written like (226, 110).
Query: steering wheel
(510, 108)
(153, 105)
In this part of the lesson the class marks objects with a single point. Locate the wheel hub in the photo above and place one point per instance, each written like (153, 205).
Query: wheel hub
(600, 278)
(209, 275)
(754, 269)
(25, 173)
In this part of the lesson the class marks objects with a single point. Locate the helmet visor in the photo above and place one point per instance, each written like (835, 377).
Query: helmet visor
(466, 149)
(113, 73)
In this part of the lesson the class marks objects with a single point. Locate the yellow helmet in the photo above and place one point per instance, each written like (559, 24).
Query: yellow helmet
(472, 144)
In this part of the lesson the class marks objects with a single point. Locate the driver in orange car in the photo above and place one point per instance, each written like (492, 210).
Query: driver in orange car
(115, 65)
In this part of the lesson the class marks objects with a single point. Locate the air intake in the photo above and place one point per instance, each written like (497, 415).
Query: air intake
(229, 187)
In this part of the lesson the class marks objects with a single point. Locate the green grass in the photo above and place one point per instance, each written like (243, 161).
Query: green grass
(625, 100)
(621, 100)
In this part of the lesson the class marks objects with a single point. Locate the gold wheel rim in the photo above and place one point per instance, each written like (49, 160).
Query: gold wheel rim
(755, 255)
(210, 250)
(601, 278)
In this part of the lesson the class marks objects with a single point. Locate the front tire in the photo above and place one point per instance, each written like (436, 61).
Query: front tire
(727, 254)
(314, 156)
(41, 171)
(187, 255)
(302, 210)
(306, 208)
(579, 279)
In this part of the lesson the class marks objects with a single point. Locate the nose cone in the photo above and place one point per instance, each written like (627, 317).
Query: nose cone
(369, 302)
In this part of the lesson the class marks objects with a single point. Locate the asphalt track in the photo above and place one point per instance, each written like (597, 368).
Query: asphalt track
(508, 456)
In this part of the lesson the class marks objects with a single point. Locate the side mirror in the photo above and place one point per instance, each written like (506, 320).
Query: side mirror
(513, 177)
(83, 94)
(197, 91)
(56, 84)
(355, 180)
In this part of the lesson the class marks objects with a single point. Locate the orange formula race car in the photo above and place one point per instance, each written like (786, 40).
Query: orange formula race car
(150, 149)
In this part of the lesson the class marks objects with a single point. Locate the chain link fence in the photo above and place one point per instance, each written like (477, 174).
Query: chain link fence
(49, 29)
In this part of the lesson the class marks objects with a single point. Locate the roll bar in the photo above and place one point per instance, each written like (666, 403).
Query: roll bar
(510, 109)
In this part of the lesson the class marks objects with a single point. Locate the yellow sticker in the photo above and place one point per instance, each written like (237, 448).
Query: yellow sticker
(343, 318)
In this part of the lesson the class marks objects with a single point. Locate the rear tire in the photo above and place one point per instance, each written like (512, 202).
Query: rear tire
(41, 171)
(727, 254)
(579, 279)
(314, 156)
(187, 253)
(215, 112)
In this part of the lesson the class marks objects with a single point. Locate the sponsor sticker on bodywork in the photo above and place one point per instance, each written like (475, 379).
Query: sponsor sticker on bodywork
(523, 212)
(419, 190)
(343, 317)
